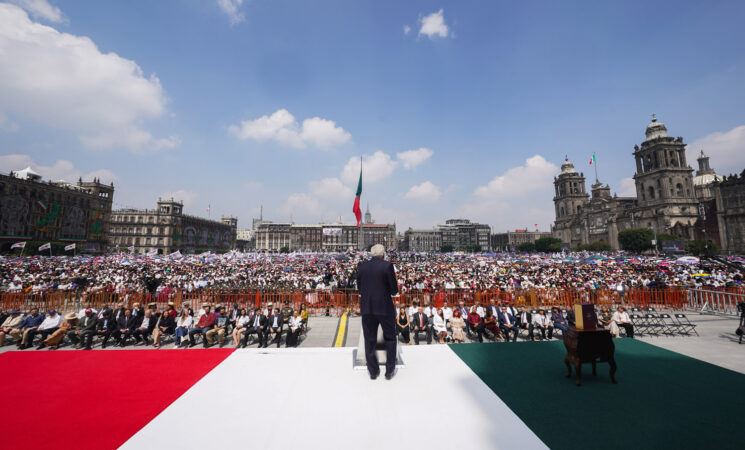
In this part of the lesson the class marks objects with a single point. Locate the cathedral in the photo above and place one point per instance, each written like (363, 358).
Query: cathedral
(669, 198)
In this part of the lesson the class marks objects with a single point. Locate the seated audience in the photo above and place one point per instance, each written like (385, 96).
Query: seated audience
(420, 324)
(257, 325)
(295, 327)
(457, 324)
(622, 319)
(439, 327)
(558, 319)
(145, 328)
(204, 324)
(184, 322)
(220, 328)
(241, 322)
(69, 323)
(403, 324)
(476, 323)
(491, 326)
(275, 326)
(125, 327)
(542, 323)
(85, 331)
(106, 328)
(28, 325)
(525, 322)
(10, 323)
(163, 326)
(508, 324)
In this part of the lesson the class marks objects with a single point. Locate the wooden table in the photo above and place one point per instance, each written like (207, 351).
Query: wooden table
(589, 347)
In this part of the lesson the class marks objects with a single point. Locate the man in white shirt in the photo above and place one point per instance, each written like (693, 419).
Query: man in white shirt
(447, 312)
(50, 324)
(429, 310)
(81, 313)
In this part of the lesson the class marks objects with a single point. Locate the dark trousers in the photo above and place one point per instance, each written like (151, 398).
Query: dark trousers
(479, 330)
(45, 333)
(370, 324)
(259, 334)
(107, 334)
(277, 333)
(628, 327)
(507, 330)
(427, 332)
(141, 333)
(292, 337)
(404, 331)
(529, 327)
(543, 331)
(201, 331)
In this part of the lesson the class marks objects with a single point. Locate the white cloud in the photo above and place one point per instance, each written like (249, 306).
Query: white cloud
(60, 170)
(627, 188)
(182, 195)
(537, 174)
(300, 202)
(726, 150)
(282, 128)
(232, 8)
(331, 188)
(434, 25)
(412, 158)
(426, 191)
(407, 29)
(64, 81)
(376, 167)
(41, 9)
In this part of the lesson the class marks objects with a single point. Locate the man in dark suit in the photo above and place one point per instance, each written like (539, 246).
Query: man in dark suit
(508, 324)
(420, 324)
(125, 327)
(275, 322)
(376, 281)
(525, 322)
(257, 324)
(106, 328)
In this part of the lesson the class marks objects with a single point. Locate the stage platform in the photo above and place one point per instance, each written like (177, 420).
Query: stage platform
(476, 396)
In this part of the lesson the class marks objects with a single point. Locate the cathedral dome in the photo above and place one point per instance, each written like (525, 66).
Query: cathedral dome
(706, 179)
(567, 166)
(656, 129)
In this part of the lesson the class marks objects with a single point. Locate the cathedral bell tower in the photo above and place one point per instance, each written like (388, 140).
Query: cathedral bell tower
(570, 199)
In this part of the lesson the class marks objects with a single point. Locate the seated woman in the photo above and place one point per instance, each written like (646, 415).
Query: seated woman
(184, 322)
(295, 326)
(542, 323)
(621, 319)
(240, 326)
(165, 325)
(457, 324)
(402, 325)
(69, 322)
(491, 325)
(605, 320)
(438, 323)
(304, 317)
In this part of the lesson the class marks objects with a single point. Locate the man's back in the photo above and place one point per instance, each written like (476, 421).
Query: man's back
(376, 280)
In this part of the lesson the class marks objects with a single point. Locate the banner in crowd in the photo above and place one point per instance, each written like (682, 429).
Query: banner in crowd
(46, 246)
(69, 247)
(131, 248)
(18, 245)
(176, 254)
(336, 232)
(152, 253)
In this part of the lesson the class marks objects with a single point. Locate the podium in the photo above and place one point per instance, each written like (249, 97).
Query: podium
(589, 347)
(360, 361)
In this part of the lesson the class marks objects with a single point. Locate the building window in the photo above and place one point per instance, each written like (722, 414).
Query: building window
(651, 192)
(679, 190)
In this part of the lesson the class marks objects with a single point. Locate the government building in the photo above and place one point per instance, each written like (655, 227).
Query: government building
(54, 211)
(167, 229)
(460, 235)
(669, 199)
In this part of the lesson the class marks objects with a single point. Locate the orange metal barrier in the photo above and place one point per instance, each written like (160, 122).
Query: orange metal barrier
(336, 302)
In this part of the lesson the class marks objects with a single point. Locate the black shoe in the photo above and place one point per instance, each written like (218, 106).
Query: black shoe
(373, 377)
(103, 346)
(192, 344)
(87, 348)
(389, 376)
(41, 346)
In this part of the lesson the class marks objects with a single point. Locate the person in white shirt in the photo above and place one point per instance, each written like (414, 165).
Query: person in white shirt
(240, 326)
(438, 324)
(295, 327)
(81, 313)
(622, 319)
(542, 323)
(184, 322)
(480, 310)
(447, 312)
(413, 309)
(429, 310)
(48, 326)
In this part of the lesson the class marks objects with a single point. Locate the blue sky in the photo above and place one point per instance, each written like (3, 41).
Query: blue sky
(461, 109)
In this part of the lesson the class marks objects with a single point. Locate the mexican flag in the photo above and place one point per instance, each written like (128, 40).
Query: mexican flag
(42, 204)
(592, 160)
(356, 208)
(69, 247)
(18, 245)
(46, 246)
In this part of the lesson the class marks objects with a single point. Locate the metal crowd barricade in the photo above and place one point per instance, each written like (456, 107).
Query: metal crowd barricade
(714, 301)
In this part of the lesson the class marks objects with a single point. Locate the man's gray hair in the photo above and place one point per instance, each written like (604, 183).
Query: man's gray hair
(377, 251)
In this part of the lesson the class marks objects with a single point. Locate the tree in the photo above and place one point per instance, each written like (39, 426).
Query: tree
(548, 244)
(526, 247)
(476, 248)
(599, 246)
(447, 248)
(284, 249)
(636, 239)
(702, 248)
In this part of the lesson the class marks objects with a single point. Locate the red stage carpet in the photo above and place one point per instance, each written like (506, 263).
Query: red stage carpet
(92, 399)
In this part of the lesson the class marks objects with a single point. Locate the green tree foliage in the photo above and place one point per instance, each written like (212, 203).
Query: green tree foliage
(446, 248)
(636, 239)
(526, 247)
(600, 246)
(547, 244)
(702, 248)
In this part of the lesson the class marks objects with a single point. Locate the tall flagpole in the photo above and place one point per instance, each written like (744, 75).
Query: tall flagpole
(359, 225)
(595, 161)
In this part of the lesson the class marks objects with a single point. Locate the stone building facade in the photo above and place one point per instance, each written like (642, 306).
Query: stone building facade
(465, 236)
(509, 240)
(335, 237)
(167, 229)
(667, 200)
(55, 211)
(422, 240)
(730, 210)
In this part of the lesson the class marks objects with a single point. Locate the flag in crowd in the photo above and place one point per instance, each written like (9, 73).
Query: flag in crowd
(152, 253)
(46, 246)
(176, 254)
(131, 248)
(69, 247)
(19, 245)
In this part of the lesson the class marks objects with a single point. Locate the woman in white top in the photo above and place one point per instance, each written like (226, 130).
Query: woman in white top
(622, 319)
(542, 323)
(240, 326)
(295, 327)
(184, 322)
(438, 323)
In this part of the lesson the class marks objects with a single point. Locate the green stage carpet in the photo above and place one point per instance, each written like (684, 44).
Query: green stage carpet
(662, 400)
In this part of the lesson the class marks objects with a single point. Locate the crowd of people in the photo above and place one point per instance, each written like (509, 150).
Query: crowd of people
(425, 272)
(495, 322)
(121, 326)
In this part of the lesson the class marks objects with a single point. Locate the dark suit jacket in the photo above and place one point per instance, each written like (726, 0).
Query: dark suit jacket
(415, 320)
(376, 281)
(167, 321)
(262, 321)
(503, 320)
(270, 320)
(110, 324)
(126, 323)
(87, 323)
(528, 317)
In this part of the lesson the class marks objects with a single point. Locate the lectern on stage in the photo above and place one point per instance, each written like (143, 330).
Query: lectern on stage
(585, 343)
